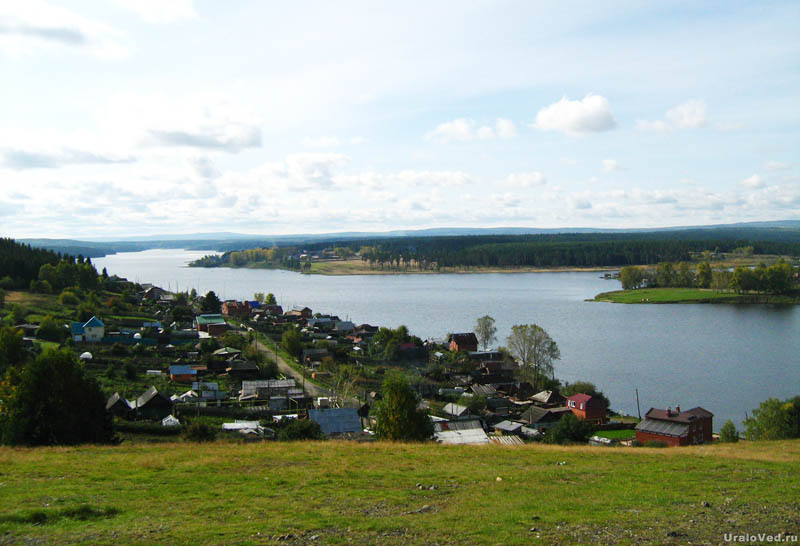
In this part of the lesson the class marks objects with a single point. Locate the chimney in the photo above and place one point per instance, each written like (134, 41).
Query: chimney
(669, 411)
(677, 409)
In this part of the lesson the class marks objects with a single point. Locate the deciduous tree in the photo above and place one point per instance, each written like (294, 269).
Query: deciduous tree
(398, 417)
(485, 330)
(535, 350)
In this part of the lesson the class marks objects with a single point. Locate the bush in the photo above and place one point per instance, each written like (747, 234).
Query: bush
(300, 429)
(570, 429)
(728, 432)
(636, 443)
(655, 443)
(130, 371)
(199, 432)
(50, 330)
(55, 403)
(68, 298)
(398, 417)
(774, 420)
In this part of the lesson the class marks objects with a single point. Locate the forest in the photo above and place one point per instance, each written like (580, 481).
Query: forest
(511, 251)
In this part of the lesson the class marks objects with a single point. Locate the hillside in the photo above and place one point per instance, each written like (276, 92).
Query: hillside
(344, 493)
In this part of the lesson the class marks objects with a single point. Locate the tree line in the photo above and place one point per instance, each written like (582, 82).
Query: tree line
(510, 251)
(778, 278)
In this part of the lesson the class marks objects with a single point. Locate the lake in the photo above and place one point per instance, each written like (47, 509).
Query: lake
(726, 358)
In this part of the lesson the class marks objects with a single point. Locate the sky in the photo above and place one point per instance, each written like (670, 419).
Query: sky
(140, 117)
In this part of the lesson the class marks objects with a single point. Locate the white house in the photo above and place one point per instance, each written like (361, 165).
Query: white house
(92, 330)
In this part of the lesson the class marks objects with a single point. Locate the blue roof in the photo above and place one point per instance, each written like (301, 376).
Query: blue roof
(93, 322)
(336, 420)
(76, 328)
(253, 303)
(181, 370)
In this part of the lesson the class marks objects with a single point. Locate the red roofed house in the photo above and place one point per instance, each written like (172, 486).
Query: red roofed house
(233, 308)
(586, 407)
(463, 342)
(676, 427)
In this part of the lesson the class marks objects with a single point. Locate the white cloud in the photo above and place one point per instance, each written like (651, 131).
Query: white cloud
(526, 180)
(356, 140)
(505, 128)
(32, 26)
(754, 181)
(657, 126)
(776, 165)
(465, 130)
(691, 114)
(321, 142)
(610, 165)
(160, 11)
(204, 121)
(728, 126)
(575, 117)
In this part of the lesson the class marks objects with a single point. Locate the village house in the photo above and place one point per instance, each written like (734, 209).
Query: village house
(302, 312)
(548, 399)
(152, 405)
(589, 408)
(676, 428)
(214, 325)
(91, 331)
(541, 419)
(463, 342)
(233, 308)
(182, 374)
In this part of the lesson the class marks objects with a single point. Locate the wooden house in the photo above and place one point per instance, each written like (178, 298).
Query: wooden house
(152, 405)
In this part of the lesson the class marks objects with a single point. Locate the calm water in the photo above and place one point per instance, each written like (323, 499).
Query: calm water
(724, 358)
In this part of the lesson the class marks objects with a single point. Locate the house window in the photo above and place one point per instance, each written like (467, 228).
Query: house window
(581, 405)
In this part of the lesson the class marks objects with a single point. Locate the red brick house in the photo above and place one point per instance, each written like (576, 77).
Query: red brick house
(676, 427)
(587, 407)
(234, 308)
(463, 342)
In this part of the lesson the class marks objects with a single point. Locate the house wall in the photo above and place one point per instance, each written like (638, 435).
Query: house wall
(671, 441)
(94, 334)
(217, 329)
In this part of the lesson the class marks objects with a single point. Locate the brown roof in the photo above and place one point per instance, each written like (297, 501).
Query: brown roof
(687, 416)
(464, 339)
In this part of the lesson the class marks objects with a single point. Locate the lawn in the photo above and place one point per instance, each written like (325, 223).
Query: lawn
(616, 434)
(347, 493)
(688, 295)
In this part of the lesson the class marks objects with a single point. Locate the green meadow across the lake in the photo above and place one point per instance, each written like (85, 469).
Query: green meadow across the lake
(383, 493)
(689, 295)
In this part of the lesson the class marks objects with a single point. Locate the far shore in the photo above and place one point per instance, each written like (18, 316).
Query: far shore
(690, 295)
(359, 267)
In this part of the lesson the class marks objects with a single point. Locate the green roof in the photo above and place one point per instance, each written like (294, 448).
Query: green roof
(210, 319)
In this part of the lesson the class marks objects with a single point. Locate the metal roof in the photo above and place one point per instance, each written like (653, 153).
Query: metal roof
(93, 322)
(508, 426)
(336, 420)
(667, 428)
(455, 409)
(460, 432)
(507, 440)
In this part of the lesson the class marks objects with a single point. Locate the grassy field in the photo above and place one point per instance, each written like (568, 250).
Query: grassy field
(688, 295)
(345, 493)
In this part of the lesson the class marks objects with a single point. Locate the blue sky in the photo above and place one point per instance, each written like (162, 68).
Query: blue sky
(137, 117)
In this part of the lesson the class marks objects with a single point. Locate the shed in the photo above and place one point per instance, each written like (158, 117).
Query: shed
(468, 431)
(336, 421)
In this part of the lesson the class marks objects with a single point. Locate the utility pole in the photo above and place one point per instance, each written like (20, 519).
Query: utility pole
(638, 409)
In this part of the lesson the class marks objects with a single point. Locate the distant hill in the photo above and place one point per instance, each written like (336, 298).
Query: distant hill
(784, 230)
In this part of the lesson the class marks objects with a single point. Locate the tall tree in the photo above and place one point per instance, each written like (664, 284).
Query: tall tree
(535, 350)
(270, 299)
(704, 275)
(485, 330)
(397, 415)
(211, 303)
